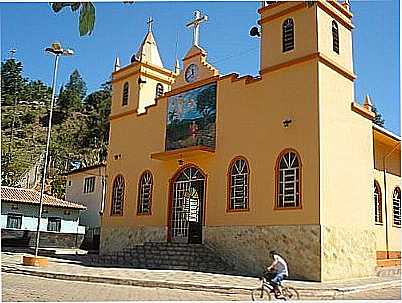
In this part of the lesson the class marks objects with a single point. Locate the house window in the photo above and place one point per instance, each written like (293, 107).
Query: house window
(377, 203)
(396, 206)
(53, 224)
(288, 180)
(145, 193)
(335, 37)
(288, 35)
(125, 94)
(14, 221)
(238, 184)
(118, 195)
(159, 90)
(89, 185)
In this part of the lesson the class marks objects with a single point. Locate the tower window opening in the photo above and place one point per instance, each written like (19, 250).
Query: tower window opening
(288, 35)
(125, 94)
(159, 90)
(335, 37)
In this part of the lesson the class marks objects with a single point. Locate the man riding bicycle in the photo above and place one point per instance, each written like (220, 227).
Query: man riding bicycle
(280, 269)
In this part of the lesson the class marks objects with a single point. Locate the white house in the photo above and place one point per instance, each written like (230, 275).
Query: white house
(87, 186)
(59, 223)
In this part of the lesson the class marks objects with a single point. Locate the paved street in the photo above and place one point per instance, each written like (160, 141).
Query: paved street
(29, 288)
(16, 287)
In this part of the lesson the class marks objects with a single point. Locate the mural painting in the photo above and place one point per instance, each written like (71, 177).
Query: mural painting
(191, 118)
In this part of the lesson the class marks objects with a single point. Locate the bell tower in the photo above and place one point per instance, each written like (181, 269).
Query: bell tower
(138, 85)
(293, 32)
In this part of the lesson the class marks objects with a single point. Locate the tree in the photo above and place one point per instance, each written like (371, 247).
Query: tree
(97, 108)
(378, 117)
(87, 14)
(72, 94)
(38, 91)
(13, 85)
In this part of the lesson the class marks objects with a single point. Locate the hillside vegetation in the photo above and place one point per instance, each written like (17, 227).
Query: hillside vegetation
(80, 127)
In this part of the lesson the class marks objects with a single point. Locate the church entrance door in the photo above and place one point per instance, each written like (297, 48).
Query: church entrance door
(186, 211)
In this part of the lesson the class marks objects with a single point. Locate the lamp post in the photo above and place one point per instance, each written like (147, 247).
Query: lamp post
(56, 50)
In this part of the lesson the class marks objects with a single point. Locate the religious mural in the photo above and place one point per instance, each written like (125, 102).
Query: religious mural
(191, 118)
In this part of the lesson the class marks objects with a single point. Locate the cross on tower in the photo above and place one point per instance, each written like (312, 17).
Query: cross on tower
(195, 24)
(149, 22)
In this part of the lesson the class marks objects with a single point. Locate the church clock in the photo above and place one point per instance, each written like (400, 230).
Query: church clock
(191, 73)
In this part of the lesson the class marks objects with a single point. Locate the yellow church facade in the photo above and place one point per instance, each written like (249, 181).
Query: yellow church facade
(286, 160)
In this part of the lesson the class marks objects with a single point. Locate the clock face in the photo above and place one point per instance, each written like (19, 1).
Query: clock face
(191, 73)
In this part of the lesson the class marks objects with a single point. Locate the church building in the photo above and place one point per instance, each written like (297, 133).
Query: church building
(286, 160)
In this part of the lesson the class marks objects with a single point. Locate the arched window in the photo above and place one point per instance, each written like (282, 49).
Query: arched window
(288, 172)
(377, 202)
(238, 184)
(159, 90)
(125, 94)
(396, 206)
(288, 35)
(335, 37)
(145, 193)
(118, 196)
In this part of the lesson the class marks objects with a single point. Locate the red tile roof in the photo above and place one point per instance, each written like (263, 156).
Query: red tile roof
(23, 195)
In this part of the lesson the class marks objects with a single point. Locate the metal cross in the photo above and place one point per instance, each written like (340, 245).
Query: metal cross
(149, 22)
(198, 19)
(12, 52)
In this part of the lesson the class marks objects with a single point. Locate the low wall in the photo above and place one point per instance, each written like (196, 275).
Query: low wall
(247, 247)
(117, 239)
(12, 237)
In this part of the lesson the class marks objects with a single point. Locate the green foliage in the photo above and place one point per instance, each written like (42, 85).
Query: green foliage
(72, 94)
(13, 85)
(87, 18)
(15, 88)
(80, 130)
(378, 117)
(39, 92)
(87, 14)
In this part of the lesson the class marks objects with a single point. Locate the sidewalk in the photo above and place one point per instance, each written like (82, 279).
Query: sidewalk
(69, 266)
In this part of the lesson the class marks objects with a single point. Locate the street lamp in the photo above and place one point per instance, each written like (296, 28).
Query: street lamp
(57, 51)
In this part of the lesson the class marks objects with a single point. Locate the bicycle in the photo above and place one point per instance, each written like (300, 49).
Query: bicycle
(263, 293)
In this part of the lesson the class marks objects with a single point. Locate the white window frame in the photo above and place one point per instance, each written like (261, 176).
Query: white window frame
(118, 195)
(14, 216)
(288, 181)
(396, 207)
(89, 184)
(145, 193)
(377, 203)
(239, 185)
(51, 221)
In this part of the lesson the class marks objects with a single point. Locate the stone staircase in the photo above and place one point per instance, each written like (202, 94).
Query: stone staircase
(158, 255)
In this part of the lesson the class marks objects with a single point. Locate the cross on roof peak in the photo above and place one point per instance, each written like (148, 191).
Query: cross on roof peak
(149, 22)
(195, 24)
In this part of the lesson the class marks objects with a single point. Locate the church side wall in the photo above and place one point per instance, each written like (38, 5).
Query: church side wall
(394, 232)
(346, 162)
(298, 244)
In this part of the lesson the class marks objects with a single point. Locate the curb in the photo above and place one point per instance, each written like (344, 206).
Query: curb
(305, 291)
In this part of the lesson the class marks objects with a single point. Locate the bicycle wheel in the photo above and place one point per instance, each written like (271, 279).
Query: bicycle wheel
(290, 293)
(260, 294)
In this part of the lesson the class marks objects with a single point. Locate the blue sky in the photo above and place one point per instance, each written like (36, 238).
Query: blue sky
(120, 28)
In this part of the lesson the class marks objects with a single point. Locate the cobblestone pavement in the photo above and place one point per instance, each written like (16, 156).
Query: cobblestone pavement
(390, 293)
(16, 287)
(211, 286)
